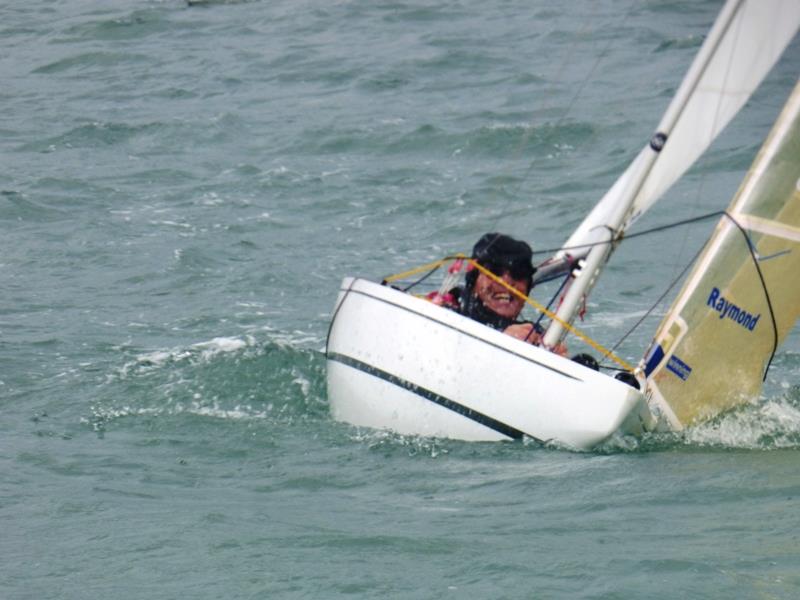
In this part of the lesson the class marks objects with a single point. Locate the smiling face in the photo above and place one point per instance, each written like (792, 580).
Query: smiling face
(499, 299)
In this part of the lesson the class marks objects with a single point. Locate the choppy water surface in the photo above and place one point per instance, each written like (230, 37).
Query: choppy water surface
(183, 187)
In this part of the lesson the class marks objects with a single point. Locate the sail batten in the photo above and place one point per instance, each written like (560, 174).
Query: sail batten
(769, 227)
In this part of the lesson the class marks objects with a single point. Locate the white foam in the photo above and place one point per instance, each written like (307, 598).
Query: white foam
(772, 424)
(102, 415)
(202, 351)
(225, 344)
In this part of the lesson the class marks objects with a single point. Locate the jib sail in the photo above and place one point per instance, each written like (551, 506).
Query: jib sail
(743, 296)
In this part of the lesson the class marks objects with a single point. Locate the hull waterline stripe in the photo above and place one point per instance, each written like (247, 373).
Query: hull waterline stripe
(447, 403)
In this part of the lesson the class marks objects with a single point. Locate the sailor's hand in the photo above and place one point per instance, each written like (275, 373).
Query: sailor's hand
(524, 332)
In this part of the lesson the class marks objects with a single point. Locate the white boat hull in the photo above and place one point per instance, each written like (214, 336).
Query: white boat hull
(401, 363)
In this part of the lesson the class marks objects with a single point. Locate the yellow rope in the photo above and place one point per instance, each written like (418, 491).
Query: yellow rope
(428, 267)
(530, 301)
(553, 316)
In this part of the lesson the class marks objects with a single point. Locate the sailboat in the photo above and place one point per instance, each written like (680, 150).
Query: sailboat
(401, 362)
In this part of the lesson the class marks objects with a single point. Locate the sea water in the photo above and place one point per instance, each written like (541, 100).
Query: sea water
(183, 186)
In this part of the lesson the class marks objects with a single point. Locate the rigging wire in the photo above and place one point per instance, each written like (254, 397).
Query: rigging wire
(657, 229)
(568, 326)
(548, 92)
(753, 255)
(421, 279)
(655, 304)
(553, 299)
(431, 268)
(766, 292)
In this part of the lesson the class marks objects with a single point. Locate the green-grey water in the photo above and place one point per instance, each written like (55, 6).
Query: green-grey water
(182, 189)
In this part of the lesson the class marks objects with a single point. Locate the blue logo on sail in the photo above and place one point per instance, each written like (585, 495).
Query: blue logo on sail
(680, 368)
(728, 309)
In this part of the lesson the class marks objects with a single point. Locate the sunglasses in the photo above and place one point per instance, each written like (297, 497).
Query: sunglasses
(517, 269)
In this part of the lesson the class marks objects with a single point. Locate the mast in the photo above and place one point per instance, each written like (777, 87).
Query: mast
(720, 80)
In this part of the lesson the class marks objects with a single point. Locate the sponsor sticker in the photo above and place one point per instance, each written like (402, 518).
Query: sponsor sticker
(680, 368)
(728, 309)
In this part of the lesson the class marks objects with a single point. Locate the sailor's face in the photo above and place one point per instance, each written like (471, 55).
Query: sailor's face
(498, 298)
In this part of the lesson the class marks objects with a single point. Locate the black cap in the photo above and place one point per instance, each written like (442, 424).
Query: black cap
(499, 252)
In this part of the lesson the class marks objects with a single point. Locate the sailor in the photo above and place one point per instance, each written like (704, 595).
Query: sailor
(491, 303)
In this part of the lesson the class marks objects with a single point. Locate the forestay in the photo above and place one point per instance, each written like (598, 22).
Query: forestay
(741, 299)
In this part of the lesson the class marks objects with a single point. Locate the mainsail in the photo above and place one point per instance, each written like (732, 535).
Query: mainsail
(743, 296)
(745, 42)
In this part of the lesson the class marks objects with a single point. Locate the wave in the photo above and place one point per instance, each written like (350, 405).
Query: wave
(281, 382)
(769, 424)
(234, 379)
(514, 140)
(90, 60)
(137, 25)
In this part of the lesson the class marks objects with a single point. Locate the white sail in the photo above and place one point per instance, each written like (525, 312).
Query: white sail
(742, 46)
(741, 299)
(745, 42)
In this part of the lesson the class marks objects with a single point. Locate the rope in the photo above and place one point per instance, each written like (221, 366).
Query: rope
(766, 292)
(635, 235)
(545, 139)
(553, 299)
(433, 266)
(660, 299)
(752, 251)
(429, 267)
(606, 353)
(599, 348)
